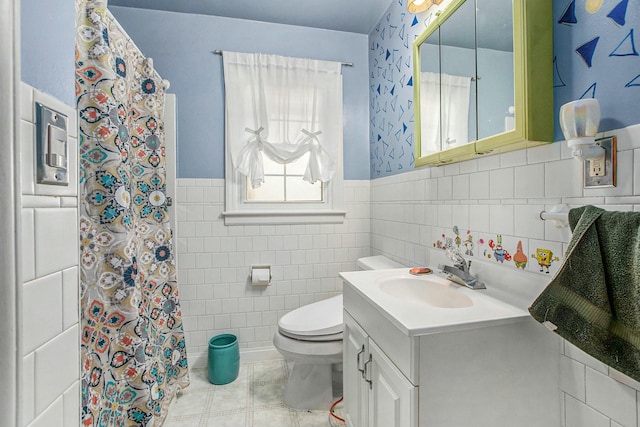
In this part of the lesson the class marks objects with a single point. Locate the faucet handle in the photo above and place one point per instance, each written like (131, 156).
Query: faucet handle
(454, 254)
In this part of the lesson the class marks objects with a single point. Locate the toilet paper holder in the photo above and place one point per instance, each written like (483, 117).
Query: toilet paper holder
(260, 275)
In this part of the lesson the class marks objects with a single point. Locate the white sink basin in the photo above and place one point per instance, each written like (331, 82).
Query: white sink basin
(424, 305)
(429, 290)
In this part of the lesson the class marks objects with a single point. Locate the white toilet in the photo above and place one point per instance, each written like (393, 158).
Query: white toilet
(311, 336)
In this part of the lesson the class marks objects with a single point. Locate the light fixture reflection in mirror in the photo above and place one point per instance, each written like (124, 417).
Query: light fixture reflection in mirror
(417, 6)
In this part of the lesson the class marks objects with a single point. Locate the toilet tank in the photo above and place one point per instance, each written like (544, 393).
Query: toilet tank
(378, 262)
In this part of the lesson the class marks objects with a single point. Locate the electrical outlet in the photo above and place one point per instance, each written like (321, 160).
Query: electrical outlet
(597, 167)
(601, 172)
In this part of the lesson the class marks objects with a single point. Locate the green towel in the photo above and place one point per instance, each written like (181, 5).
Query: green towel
(594, 298)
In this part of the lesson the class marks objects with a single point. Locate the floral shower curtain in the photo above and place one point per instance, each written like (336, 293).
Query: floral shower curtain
(132, 340)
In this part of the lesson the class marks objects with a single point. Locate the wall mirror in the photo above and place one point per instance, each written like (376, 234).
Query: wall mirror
(481, 70)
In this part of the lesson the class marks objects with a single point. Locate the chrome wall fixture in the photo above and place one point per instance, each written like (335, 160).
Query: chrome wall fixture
(559, 214)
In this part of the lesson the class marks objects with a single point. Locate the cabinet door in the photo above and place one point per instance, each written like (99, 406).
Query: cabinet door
(393, 400)
(355, 389)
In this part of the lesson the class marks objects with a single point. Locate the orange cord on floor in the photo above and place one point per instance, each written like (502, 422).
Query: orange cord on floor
(333, 405)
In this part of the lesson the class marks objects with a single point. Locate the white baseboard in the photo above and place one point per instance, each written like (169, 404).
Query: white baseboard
(247, 355)
(259, 354)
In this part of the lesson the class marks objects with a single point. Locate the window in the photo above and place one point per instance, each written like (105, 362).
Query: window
(283, 140)
(284, 183)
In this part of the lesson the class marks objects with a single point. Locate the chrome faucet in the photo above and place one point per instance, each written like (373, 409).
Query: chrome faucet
(459, 272)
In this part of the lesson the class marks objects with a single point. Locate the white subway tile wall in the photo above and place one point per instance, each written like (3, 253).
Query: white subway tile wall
(502, 196)
(42, 324)
(214, 264)
(28, 387)
(56, 367)
(56, 242)
(580, 415)
(52, 416)
(595, 393)
(50, 383)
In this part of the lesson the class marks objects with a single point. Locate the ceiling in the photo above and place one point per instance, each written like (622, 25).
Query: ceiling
(355, 16)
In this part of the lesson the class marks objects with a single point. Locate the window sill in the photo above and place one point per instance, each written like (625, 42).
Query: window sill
(283, 217)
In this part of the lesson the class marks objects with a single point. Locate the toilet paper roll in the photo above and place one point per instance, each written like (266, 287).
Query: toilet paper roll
(260, 275)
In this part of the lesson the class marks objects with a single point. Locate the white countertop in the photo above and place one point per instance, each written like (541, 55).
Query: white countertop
(415, 318)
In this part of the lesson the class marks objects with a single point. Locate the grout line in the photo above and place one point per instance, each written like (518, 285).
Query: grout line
(249, 397)
(204, 415)
(294, 419)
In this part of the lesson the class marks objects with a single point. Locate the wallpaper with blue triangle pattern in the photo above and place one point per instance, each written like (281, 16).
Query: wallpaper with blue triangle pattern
(595, 55)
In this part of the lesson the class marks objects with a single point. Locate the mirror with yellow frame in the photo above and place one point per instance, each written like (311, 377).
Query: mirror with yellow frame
(476, 87)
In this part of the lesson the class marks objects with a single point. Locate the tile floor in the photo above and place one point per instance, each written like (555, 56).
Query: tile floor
(254, 399)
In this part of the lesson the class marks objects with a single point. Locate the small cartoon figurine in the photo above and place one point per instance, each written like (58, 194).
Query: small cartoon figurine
(468, 244)
(457, 233)
(545, 258)
(519, 258)
(499, 252)
(439, 244)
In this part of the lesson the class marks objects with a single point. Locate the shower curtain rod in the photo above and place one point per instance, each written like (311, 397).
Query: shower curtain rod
(346, 64)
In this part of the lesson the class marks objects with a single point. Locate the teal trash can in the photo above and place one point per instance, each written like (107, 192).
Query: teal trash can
(224, 359)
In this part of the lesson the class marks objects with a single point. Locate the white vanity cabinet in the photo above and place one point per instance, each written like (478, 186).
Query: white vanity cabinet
(376, 393)
(355, 389)
(409, 365)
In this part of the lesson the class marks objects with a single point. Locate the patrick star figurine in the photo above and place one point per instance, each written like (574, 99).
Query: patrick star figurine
(519, 258)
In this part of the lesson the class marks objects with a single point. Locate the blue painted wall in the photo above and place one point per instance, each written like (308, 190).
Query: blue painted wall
(181, 46)
(607, 68)
(596, 55)
(47, 47)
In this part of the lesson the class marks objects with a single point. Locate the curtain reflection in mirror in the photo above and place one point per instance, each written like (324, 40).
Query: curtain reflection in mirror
(444, 106)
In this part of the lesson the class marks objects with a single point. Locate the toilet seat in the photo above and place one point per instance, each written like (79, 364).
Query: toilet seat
(319, 321)
(312, 338)
(304, 351)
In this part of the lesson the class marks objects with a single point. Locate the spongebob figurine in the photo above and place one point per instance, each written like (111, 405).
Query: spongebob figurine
(545, 258)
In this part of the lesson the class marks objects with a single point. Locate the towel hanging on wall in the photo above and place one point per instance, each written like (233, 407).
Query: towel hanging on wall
(594, 298)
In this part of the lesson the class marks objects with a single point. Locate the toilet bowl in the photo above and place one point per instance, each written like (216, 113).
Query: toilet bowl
(311, 337)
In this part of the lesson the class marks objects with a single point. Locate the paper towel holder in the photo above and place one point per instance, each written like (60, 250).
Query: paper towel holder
(260, 267)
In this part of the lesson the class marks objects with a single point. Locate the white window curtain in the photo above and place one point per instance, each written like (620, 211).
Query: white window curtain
(430, 112)
(282, 107)
(444, 110)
